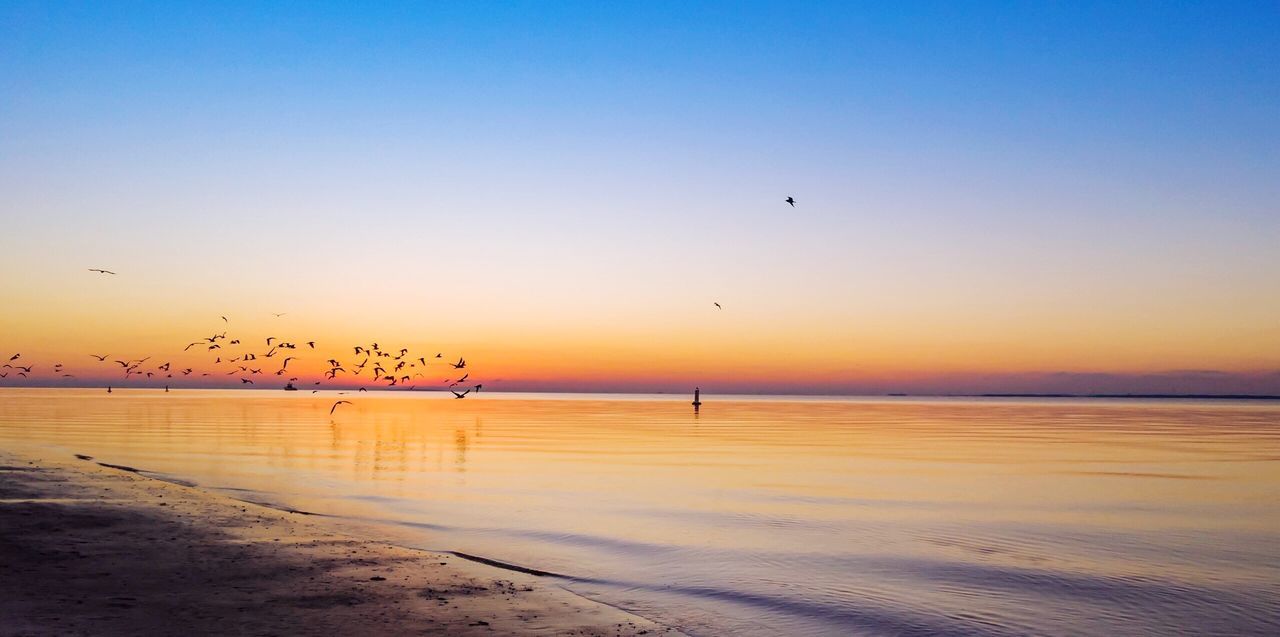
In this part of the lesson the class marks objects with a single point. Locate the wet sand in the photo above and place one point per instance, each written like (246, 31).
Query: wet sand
(87, 549)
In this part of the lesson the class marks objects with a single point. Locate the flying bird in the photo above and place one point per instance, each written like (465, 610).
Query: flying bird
(101, 271)
(717, 306)
(278, 315)
(100, 358)
(340, 402)
(460, 364)
(224, 319)
(791, 201)
(462, 395)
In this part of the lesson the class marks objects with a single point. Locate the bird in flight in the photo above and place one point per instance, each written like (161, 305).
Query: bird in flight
(279, 314)
(100, 358)
(340, 402)
(462, 363)
(462, 395)
(101, 271)
(15, 357)
(792, 201)
(224, 320)
(717, 305)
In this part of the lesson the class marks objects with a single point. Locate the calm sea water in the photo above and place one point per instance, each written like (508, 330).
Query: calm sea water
(761, 516)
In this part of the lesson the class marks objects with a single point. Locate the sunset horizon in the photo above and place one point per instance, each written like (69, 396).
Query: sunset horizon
(661, 319)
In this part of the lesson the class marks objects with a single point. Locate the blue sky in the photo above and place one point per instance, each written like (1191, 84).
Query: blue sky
(1058, 172)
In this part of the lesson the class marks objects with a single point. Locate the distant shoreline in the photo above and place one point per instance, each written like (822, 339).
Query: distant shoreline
(679, 394)
(1144, 396)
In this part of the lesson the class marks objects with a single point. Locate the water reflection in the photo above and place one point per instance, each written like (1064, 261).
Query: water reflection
(765, 516)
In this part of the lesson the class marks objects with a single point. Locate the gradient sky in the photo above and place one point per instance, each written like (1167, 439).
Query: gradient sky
(1026, 196)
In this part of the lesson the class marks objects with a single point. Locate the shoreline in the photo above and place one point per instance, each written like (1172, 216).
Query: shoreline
(89, 548)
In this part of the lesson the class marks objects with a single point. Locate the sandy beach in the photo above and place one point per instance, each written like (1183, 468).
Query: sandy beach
(87, 549)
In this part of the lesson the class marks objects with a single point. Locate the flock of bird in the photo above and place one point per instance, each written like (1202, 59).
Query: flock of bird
(368, 364)
(392, 367)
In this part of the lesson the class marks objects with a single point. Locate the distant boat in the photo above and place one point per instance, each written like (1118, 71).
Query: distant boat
(290, 387)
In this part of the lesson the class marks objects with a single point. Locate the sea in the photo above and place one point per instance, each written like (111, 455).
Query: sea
(757, 515)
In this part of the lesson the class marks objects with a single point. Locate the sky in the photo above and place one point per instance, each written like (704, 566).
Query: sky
(990, 197)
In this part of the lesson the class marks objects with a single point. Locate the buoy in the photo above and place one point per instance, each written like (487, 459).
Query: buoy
(696, 401)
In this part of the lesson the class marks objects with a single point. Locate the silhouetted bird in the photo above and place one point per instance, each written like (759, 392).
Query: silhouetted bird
(717, 306)
(791, 201)
(101, 271)
(340, 402)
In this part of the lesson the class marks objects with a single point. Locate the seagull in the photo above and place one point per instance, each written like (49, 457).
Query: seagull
(224, 319)
(792, 201)
(245, 381)
(460, 364)
(100, 358)
(311, 344)
(717, 305)
(278, 315)
(101, 271)
(462, 395)
(340, 402)
(15, 357)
